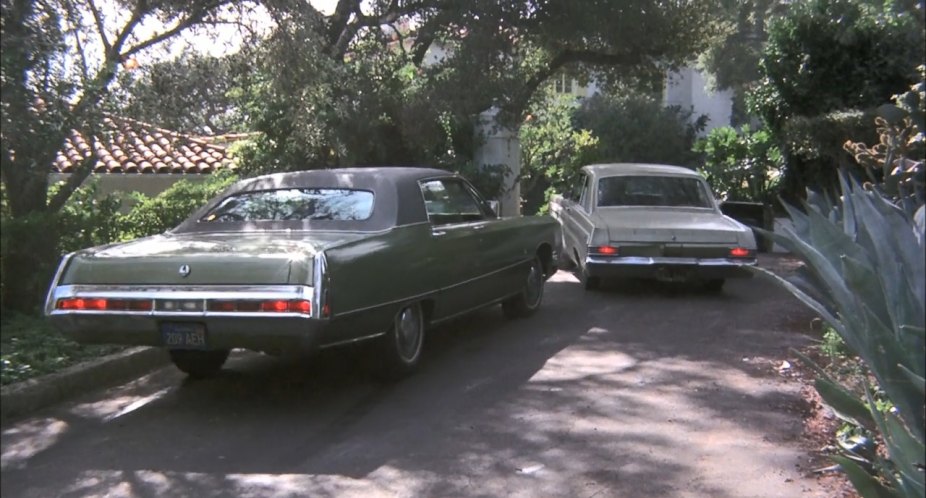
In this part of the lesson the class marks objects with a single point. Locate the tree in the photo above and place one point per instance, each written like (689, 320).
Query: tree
(731, 60)
(637, 127)
(402, 82)
(59, 59)
(827, 65)
(190, 94)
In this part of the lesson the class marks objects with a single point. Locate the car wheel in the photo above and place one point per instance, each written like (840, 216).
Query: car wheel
(714, 285)
(404, 341)
(526, 302)
(199, 364)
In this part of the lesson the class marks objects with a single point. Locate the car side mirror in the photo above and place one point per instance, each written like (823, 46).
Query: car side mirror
(494, 206)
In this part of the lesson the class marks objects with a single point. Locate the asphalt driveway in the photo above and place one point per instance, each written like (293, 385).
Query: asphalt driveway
(635, 391)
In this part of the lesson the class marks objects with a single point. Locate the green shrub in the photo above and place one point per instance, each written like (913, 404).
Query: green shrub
(30, 347)
(87, 219)
(152, 215)
(742, 165)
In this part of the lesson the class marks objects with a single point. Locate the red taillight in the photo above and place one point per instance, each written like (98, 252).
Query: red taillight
(605, 250)
(276, 306)
(740, 252)
(304, 307)
(79, 303)
(222, 306)
(103, 304)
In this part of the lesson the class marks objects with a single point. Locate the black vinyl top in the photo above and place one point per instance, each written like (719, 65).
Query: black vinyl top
(397, 198)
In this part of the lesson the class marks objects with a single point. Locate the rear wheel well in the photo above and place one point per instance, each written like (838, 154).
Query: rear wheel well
(545, 253)
(427, 309)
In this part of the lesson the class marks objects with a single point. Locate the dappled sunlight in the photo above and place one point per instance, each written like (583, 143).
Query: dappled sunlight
(385, 481)
(564, 276)
(25, 440)
(575, 363)
(111, 408)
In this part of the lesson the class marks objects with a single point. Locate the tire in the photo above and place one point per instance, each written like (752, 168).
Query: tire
(403, 343)
(588, 282)
(714, 286)
(199, 364)
(526, 302)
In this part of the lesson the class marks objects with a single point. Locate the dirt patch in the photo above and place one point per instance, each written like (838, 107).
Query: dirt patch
(819, 422)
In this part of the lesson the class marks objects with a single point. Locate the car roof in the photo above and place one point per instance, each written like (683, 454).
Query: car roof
(390, 174)
(621, 169)
(398, 199)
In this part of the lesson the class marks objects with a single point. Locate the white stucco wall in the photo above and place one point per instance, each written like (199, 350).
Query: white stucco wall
(148, 184)
(687, 89)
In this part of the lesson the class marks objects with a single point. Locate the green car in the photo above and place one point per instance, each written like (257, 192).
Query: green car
(308, 260)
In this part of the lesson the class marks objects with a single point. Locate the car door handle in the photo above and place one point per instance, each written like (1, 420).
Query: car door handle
(438, 233)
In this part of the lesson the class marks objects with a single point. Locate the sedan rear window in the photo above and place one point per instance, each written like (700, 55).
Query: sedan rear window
(667, 191)
(306, 204)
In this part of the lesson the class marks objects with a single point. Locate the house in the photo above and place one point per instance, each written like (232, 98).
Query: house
(140, 157)
(688, 89)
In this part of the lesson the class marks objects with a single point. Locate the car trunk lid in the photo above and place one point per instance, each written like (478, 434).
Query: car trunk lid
(668, 225)
(240, 258)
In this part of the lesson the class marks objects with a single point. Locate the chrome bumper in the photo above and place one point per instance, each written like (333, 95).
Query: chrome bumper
(262, 331)
(669, 268)
(652, 261)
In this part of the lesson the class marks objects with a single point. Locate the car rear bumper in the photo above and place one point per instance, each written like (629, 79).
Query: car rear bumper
(270, 331)
(274, 334)
(668, 268)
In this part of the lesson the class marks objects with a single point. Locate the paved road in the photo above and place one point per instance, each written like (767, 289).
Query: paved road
(630, 392)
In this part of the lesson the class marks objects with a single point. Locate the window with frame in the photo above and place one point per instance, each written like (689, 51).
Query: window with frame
(662, 191)
(451, 201)
(301, 204)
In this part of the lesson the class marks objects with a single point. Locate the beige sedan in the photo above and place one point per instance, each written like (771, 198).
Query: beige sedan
(650, 221)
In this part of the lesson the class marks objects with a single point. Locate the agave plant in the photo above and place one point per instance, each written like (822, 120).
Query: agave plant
(865, 275)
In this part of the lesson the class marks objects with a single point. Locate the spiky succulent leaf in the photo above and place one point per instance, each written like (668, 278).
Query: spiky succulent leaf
(867, 485)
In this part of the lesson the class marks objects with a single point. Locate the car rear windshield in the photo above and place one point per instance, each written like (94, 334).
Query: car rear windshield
(669, 191)
(305, 204)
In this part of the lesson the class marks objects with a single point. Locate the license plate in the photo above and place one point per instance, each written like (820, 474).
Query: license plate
(183, 335)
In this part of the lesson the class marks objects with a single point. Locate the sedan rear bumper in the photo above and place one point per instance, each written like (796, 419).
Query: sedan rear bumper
(256, 329)
(668, 268)
(274, 334)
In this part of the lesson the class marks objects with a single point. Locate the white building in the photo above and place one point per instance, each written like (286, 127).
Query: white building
(688, 90)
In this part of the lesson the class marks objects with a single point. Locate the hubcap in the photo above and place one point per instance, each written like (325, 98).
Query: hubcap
(533, 291)
(408, 333)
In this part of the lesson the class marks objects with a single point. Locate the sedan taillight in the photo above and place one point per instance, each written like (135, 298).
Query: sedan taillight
(740, 252)
(603, 251)
(103, 304)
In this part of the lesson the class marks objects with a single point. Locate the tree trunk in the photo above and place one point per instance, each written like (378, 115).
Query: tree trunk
(28, 261)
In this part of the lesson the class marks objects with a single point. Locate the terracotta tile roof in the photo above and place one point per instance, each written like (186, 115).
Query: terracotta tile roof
(132, 147)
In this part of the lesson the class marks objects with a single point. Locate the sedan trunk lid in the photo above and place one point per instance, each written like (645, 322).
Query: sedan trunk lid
(240, 258)
(668, 225)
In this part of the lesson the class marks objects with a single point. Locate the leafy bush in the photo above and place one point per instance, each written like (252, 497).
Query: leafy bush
(637, 127)
(552, 149)
(152, 215)
(88, 218)
(30, 347)
(742, 165)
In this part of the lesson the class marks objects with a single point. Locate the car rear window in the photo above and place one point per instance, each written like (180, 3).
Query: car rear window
(668, 191)
(306, 204)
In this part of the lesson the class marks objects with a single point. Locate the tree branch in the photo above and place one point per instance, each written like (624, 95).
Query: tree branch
(516, 107)
(98, 19)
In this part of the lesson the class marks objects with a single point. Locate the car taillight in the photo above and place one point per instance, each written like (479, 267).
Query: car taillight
(103, 304)
(269, 306)
(740, 252)
(603, 250)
